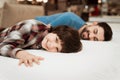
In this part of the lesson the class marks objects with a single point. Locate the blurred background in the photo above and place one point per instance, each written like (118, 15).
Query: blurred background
(88, 10)
(83, 8)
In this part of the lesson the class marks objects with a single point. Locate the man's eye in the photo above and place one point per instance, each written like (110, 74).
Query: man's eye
(57, 49)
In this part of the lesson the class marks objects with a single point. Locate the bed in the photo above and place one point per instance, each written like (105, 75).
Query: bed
(97, 61)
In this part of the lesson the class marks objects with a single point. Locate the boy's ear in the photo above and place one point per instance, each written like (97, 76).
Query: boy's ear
(95, 23)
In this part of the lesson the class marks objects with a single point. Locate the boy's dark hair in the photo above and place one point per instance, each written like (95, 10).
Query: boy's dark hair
(70, 38)
(107, 31)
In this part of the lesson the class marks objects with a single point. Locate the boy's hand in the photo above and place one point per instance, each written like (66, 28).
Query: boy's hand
(28, 59)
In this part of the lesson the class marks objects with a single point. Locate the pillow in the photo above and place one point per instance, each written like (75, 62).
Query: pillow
(13, 13)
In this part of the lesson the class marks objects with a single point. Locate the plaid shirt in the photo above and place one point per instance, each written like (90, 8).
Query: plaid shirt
(27, 34)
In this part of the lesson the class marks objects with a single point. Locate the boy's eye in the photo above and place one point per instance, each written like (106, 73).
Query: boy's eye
(57, 42)
(56, 39)
(95, 31)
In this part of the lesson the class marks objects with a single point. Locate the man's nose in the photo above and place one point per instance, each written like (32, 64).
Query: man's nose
(91, 35)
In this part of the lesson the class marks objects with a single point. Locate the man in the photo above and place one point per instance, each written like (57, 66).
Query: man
(95, 32)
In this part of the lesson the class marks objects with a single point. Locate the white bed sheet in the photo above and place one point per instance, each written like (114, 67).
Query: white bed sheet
(97, 61)
(110, 19)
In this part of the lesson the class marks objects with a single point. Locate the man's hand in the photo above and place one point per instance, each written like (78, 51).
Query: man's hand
(28, 59)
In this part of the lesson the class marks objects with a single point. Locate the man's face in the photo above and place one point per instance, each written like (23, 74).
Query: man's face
(52, 43)
(92, 33)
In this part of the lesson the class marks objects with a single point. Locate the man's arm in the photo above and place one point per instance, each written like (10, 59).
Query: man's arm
(67, 18)
(48, 19)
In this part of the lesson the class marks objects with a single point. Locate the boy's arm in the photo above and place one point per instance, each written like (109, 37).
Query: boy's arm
(13, 39)
(13, 42)
(9, 46)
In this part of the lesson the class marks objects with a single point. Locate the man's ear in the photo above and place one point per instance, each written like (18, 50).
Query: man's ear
(95, 23)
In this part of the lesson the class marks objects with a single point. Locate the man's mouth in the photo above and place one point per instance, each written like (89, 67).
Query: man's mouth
(85, 35)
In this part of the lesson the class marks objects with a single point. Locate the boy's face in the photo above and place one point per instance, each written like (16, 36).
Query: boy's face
(52, 43)
(93, 33)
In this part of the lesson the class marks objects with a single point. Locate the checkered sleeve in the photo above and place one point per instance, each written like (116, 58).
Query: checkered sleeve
(10, 44)
(12, 39)
(16, 37)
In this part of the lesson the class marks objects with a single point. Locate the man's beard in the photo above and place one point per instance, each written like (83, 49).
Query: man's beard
(82, 34)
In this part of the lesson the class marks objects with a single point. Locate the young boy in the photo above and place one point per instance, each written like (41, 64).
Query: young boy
(33, 34)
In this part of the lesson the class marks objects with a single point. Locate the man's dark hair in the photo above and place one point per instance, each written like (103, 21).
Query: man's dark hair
(107, 31)
(69, 37)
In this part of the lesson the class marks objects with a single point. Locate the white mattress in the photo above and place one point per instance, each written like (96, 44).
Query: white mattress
(97, 61)
(110, 19)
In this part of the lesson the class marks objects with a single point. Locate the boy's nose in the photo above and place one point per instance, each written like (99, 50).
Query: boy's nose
(51, 44)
